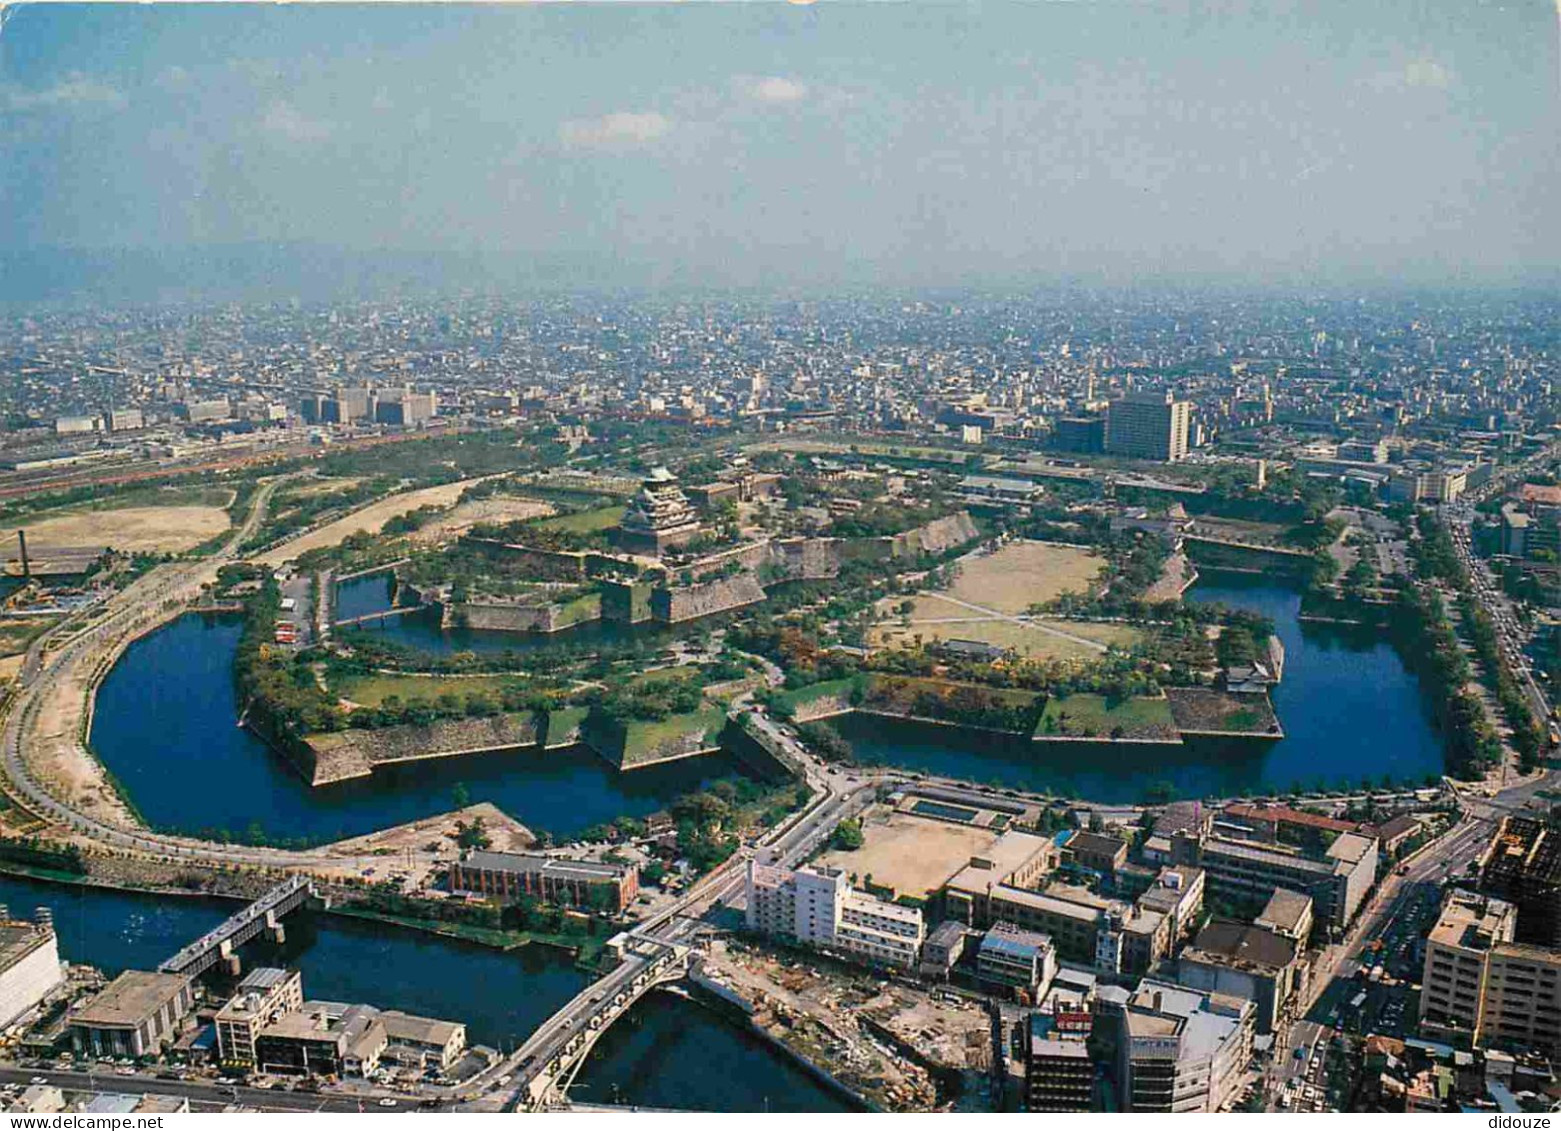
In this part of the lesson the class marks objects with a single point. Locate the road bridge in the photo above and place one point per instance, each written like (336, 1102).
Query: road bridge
(265, 914)
(552, 1057)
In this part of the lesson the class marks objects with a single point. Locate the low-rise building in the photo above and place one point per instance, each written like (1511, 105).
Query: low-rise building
(423, 1040)
(1288, 913)
(260, 998)
(1177, 892)
(1018, 959)
(1336, 882)
(323, 1039)
(1245, 961)
(1095, 852)
(943, 948)
(134, 1015)
(508, 876)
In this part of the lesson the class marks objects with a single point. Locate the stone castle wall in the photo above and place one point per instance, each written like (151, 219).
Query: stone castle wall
(348, 754)
(671, 606)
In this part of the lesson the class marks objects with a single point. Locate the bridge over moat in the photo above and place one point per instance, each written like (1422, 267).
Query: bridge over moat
(550, 1060)
(264, 914)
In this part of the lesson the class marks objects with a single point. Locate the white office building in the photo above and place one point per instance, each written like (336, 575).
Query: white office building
(818, 907)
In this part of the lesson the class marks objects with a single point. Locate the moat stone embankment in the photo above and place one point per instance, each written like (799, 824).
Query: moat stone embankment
(344, 755)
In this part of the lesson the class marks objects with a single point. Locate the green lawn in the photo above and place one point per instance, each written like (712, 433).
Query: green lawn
(1084, 716)
(642, 736)
(372, 690)
(584, 522)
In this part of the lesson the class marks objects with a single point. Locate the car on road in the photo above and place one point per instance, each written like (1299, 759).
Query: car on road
(388, 1102)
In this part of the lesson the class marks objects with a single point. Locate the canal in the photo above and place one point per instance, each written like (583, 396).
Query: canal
(667, 1052)
(1350, 709)
(166, 727)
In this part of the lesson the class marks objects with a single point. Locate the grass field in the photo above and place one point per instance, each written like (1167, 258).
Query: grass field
(1093, 716)
(584, 522)
(372, 690)
(22, 512)
(1024, 573)
(167, 530)
(913, 855)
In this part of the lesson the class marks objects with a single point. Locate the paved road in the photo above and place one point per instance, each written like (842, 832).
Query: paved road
(200, 1093)
(122, 616)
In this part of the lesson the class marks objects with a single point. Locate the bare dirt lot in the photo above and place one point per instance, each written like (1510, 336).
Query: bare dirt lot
(936, 618)
(468, 515)
(913, 855)
(152, 529)
(1025, 573)
(370, 519)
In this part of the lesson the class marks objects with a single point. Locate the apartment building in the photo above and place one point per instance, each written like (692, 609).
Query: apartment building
(818, 907)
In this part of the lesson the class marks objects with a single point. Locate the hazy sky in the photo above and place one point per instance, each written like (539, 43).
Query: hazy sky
(731, 142)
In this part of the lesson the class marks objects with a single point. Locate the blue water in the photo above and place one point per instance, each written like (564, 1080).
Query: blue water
(713, 1064)
(1349, 707)
(364, 595)
(649, 1057)
(165, 725)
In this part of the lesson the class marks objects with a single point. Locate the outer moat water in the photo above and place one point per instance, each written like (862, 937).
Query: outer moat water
(665, 1053)
(166, 726)
(1349, 707)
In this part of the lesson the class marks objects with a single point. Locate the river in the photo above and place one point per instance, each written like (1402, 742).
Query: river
(1349, 707)
(166, 726)
(667, 1052)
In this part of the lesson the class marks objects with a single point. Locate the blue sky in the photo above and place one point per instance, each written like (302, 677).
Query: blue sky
(739, 142)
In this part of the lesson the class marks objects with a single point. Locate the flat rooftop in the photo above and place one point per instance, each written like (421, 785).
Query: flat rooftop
(130, 999)
(525, 864)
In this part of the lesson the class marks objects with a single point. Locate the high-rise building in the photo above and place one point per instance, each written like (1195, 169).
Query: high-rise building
(1457, 964)
(1148, 426)
(1059, 1074)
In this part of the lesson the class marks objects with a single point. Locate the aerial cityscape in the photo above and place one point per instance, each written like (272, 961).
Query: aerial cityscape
(571, 559)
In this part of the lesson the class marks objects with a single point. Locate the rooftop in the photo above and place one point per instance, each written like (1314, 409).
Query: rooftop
(518, 863)
(1224, 942)
(1285, 910)
(130, 999)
